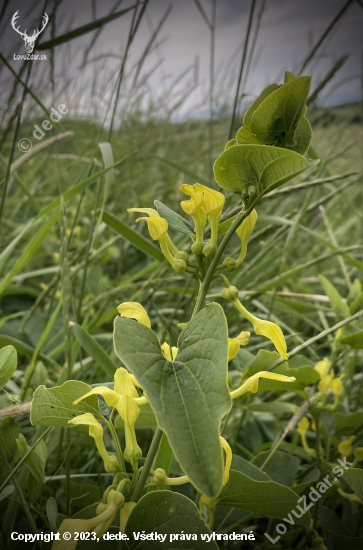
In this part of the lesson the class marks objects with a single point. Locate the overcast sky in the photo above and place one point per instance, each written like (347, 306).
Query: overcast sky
(288, 29)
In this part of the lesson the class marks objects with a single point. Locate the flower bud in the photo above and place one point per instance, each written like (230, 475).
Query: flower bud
(230, 293)
(115, 498)
(209, 250)
(229, 264)
(179, 266)
(159, 477)
(111, 464)
(197, 248)
(182, 255)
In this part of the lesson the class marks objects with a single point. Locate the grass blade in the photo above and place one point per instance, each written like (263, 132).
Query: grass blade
(84, 29)
(132, 236)
(93, 349)
(30, 250)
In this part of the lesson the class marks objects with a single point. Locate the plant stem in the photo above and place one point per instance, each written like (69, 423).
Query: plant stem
(120, 457)
(147, 466)
(203, 289)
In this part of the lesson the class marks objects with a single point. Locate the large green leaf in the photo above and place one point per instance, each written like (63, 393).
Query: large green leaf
(262, 497)
(305, 376)
(54, 406)
(263, 360)
(244, 135)
(346, 424)
(281, 467)
(274, 122)
(247, 120)
(245, 467)
(190, 394)
(8, 362)
(257, 168)
(302, 137)
(354, 477)
(167, 513)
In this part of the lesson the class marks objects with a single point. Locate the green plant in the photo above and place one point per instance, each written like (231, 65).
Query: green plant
(186, 391)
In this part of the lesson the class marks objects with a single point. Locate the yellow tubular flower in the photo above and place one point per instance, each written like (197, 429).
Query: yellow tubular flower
(261, 327)
(152, 213)
(96, 431)
(107, 514)
(213, 202)
(251, 384)
(129, 412)
(358, 456)
(323, 367)
(345, 447)
(158, 229)
(324, 384)
(336, 386)
(194, 208)
(352, 497)
(228, 452)
(244, 231)
(159, 477)
(166, 351)
(235, 343)
(302, 428)
(125, 514)
(125, 399)
(134, 310)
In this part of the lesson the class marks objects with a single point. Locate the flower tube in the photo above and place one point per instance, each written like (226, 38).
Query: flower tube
(96, 431)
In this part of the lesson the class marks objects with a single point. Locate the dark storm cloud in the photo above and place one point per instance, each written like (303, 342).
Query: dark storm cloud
(288, 29)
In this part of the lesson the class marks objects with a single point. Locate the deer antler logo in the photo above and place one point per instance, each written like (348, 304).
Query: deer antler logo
(29, 40)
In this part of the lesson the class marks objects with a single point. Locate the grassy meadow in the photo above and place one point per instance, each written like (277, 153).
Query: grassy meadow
(68, 258)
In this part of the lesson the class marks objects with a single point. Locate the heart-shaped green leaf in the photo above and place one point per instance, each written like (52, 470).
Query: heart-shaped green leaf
(302, 137)
(247, 119)
(262, 497)
(274, 122)
(189, 395)
(54, 406)
(257, 169)
(168, 513)
(354, 476)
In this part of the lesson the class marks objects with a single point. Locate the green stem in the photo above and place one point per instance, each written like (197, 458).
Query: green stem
(203, 289)
(147, 466)
(120, 457)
